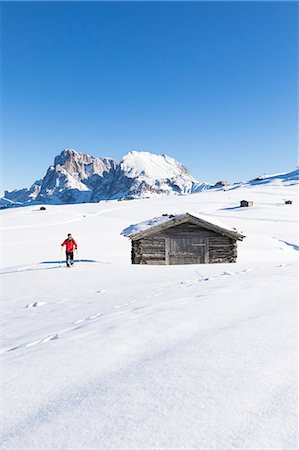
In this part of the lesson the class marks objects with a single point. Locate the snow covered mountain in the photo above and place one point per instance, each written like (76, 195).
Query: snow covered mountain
(146, 174)
(78, 177)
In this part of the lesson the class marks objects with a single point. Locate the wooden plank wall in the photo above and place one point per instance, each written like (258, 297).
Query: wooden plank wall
(187, 230)
(149, 251)
(222, 250)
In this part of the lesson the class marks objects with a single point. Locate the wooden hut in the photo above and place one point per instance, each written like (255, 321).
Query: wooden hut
(245, 203)
(182, 239)
(221, 183)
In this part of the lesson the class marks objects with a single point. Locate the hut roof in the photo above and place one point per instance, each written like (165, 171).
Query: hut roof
(152, 226)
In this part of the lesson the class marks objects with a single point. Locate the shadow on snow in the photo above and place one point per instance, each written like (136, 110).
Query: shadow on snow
(294, 246)
(60, 264)
(75, 260)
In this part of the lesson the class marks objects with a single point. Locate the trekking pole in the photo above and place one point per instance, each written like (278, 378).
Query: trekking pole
(78, 255)
(61, 250)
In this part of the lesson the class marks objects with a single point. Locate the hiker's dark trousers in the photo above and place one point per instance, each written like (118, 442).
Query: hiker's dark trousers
(69, 257)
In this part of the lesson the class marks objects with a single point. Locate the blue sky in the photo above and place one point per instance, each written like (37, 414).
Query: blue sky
(213, 85)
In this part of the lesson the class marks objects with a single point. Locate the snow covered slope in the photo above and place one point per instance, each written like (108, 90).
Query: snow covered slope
(78, 177)
(278, 179)
(287, 178)
(109, 355)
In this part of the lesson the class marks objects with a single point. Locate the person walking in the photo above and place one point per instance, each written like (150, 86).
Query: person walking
(70, 244)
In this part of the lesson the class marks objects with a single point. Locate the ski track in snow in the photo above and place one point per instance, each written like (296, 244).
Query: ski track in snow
(63, 222)
(113, 311)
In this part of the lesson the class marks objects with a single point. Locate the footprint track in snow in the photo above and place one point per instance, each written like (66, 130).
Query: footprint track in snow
(55, 336)
(29, 306)
(95, 316)
(35, 304)
(157, 294)
(202, 278)
(51, 337)
(143, 308)
(124, 304)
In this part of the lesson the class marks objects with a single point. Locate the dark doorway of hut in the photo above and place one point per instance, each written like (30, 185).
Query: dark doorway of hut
(186, 250)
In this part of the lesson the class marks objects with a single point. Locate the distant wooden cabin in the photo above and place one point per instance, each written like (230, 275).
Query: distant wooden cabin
(184, 239)
(221, 183)
(245, 203)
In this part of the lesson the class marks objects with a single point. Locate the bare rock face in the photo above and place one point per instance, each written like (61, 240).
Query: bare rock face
(26, 194)
(78, 177)
(82, 166)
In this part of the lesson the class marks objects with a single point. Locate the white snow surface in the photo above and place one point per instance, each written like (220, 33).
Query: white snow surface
(109, 355)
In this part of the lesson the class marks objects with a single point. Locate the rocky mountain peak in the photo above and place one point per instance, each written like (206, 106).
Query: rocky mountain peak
(76, 177)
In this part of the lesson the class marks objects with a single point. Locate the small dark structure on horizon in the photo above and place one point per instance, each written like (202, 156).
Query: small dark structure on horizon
(245, 203)
(222, 183)
(42, 208)
(288, 202)
(184, 239)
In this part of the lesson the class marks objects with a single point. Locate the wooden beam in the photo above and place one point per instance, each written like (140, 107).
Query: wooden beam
(207, 251)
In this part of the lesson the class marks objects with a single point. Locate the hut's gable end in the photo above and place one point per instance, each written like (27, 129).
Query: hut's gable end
(188, 230)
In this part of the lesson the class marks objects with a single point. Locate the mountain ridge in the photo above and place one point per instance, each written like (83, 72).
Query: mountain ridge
(77, 177)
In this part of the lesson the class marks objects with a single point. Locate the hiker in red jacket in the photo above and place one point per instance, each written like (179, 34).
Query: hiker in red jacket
(69, 244)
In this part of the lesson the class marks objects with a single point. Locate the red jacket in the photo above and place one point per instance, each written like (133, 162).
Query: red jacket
(70, 244)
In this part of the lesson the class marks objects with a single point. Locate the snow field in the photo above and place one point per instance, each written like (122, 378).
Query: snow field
(107, 355)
